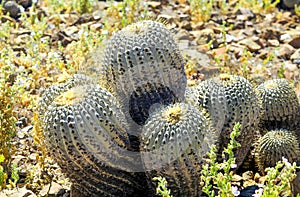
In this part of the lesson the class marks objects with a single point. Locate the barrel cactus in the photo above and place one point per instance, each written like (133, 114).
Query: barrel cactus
(279, 105)
(85, 132)
(143, 66)
(229, 99)
(275, 145)
(174, 141)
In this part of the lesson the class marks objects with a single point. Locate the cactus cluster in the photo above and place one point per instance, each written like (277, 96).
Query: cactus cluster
(141, 122)
(229, 99)
(279, 124)
(176, 138)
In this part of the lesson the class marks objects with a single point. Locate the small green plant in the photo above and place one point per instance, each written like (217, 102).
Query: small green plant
(80, 6)
(211, 173)
(3, 175)
(297, 10)
(14, 175)
(162, 189)
(280, 72)
(279, 179)
(124, 13)
(201, 10)
(258, 6)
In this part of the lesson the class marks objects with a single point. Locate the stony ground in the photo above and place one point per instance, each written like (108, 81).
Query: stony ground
(258, 46)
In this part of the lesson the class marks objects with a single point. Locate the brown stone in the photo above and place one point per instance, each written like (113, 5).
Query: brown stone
(295, 55)
(251, 45)
(286, 51)
(54, 190)
(295, 42)
(273, 43)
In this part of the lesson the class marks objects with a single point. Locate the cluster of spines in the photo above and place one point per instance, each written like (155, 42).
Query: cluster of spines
(174, 140)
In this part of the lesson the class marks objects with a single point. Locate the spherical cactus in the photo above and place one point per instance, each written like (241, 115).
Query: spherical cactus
(229, 99)
(174, 141)
(85, 132)
(275, 145)
(140, 55)
(279, 105)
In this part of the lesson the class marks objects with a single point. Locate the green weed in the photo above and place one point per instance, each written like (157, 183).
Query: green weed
(162, 189)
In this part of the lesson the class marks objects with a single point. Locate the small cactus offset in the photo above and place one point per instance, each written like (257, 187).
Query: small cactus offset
(175, 139)
(144, 57)
(49, 94)
(85, 132)
(279, 105)
(275, 145)
(229, 99)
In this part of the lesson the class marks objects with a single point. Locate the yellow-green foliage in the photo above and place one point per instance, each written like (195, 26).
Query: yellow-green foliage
(121, 14)
(80, 6)
(201, 10)
(7, 114)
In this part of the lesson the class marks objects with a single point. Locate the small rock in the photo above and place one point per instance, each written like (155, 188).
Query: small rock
(251, 45)
(96, 26)
(71, 30)
(236, 178)
(97, 14)
(285, 37)
(295, 55)
(154, 4)
(247, 175)
(25, 3)
(273, 43)
(12, 8)
(290, 3)
(290, 67)
(19, 192)
(205, 36)
(32, 156)
(295, 42)
(285, 51)
(184, 17)
(296, 61)
(248, 191)
(247, 13)
(55, 190)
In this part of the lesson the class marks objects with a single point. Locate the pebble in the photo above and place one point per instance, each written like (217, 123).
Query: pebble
(12, 8)
(18, 192)
(285, 51)
(55, 190)
(273, 43)
(250, 44)
(295, 42)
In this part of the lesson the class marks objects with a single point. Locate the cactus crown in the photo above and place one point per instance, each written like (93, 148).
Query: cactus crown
(71, 96)
(173, 115)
